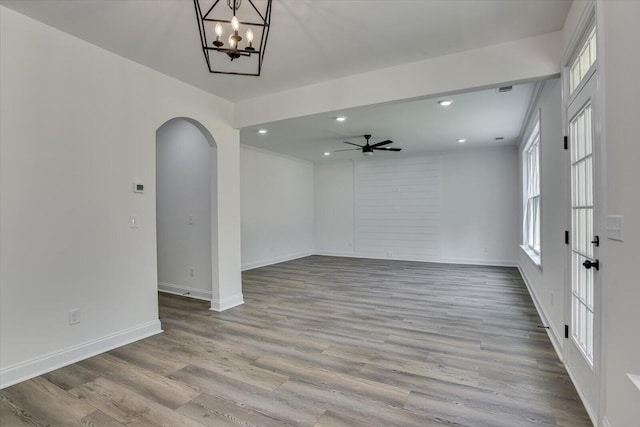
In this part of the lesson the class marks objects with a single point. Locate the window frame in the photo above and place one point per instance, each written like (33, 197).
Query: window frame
(532, 194)
(588, 44)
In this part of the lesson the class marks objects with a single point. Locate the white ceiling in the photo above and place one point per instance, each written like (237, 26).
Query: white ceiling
(415, 126)
(319, 40)
(310, 40)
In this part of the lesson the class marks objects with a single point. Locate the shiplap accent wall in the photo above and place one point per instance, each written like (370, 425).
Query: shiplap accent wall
(458, 206)
(398, 208)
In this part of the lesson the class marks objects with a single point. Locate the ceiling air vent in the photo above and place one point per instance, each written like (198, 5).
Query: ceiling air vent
(499, 138)
(504, 89)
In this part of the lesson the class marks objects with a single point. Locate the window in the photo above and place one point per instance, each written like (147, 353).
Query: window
(531, 169)
(583, 63)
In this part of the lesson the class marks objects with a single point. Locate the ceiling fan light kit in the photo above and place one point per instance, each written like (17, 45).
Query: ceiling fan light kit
(230, 55)
(368, 149)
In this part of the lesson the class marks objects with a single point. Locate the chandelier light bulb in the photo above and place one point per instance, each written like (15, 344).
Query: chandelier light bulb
(250, 39)
(218, 43)
(232, 42)
(235, 24)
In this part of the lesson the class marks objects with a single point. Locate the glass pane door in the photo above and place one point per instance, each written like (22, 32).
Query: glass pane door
(582, 231)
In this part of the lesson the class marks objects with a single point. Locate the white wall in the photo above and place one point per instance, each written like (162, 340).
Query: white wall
(547, 283)
(334, 208)
(462, 202)
(277, 207)
(183, 209)
(619, 70)
(78, 128)
(480, 205)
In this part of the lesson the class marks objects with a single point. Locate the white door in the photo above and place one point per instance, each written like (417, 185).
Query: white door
(582, 354)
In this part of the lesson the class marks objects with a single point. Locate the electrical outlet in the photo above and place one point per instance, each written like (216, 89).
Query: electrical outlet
(74, 316)
(192, 271)
(190, 219)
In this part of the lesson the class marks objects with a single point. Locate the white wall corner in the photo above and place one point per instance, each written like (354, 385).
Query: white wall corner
(58, 359)
(552, 332)
(605, 422)
(185, 291)
(227, 303)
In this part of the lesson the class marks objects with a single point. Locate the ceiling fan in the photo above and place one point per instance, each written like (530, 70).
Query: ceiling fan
(367, 149)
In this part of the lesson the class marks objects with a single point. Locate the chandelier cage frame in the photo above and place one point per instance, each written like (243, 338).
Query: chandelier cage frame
(217, 53)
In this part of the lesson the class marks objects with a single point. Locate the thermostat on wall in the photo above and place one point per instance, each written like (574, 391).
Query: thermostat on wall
(138, 187)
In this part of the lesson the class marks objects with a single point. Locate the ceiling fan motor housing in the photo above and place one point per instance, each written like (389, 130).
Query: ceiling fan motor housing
(368, 149)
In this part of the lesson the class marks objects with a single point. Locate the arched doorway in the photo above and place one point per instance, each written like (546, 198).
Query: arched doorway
(186, 209)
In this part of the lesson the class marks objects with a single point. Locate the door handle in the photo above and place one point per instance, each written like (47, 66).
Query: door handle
(588, 264)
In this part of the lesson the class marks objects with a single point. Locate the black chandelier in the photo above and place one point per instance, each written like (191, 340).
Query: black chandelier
(222, 27)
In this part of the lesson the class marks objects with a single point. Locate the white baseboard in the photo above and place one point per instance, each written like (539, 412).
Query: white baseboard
(185, 291)
(582, 397)
(270, 261)
(557, 345)
(479, 261)
(336, 253)
(552, 332)
(227, 303)
(464, 261)
(58, 359)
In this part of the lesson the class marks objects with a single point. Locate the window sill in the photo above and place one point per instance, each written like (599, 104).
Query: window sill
(535, 258)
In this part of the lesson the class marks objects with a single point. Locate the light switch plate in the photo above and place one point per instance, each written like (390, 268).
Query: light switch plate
(134, 221)
(615, 227)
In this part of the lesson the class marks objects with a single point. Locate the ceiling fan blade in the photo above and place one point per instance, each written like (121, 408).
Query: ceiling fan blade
(387, 149)
(378, 144)
(348, 149)
(351, 143)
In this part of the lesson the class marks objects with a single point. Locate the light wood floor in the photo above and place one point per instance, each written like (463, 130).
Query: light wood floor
(325, 341)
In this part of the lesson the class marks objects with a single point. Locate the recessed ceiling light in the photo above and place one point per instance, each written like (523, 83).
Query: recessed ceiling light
(341, 118)
(445, 102)
(327, 154)
(462, 140)
(262, 131)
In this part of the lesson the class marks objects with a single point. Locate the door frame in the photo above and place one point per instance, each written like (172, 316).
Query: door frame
(587, 21)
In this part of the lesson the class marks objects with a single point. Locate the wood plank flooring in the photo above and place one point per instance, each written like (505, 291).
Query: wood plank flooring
(325, 342)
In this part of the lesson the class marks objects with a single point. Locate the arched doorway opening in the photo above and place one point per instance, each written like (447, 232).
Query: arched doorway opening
(186, 209)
